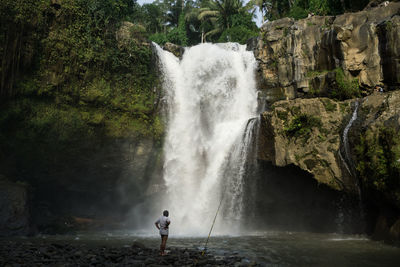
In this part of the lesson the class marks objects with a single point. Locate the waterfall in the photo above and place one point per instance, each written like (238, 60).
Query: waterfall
(239, 166)
(346, 141)
(210, 96)
(349, 164)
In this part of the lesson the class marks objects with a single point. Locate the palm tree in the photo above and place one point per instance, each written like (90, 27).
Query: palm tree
(219, 13)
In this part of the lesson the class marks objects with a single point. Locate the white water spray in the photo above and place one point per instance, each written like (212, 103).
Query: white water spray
(211, 96)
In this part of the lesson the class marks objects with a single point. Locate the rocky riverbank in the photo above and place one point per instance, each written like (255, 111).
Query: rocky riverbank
(42, 253)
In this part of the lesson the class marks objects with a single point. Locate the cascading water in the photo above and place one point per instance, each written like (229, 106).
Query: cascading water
(350, 164)
(211, 96)
(240, 165)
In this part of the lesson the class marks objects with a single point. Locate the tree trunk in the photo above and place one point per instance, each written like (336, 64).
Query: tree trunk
(4, 65)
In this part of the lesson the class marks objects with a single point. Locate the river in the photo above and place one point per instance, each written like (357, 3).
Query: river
(272, 248)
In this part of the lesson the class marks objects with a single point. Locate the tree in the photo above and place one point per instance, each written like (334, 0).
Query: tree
(275, 9)
(219, 13)
(178, 35)
(22, 25)
(153, 18)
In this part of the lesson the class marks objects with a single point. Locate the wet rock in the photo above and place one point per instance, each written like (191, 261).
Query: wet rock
(174, 49)
(14, 209)
(137, 245)
(21, 252)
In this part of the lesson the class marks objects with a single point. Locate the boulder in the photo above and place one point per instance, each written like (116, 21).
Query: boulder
(384, 230)
(174, 49)
(14, 209)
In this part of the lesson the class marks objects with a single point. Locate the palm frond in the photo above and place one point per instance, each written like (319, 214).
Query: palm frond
(207, 13)
(212, 32)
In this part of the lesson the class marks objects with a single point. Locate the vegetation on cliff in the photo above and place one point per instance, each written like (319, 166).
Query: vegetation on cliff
(298, 9)
(74, 74)
(378, 155)
(302, 125)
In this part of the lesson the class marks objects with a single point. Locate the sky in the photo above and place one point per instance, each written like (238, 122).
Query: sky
(257, 20)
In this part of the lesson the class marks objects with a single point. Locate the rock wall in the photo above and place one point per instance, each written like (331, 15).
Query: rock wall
(296, 58)
(308, 133)
(350, 56)
(14, 209)
(313, 147)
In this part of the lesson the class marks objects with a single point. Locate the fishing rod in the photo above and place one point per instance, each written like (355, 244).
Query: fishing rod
(212, 226)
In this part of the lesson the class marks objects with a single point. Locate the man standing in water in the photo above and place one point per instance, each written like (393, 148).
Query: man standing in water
(162, 224)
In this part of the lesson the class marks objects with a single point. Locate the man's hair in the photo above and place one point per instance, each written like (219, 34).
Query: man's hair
(165, 213)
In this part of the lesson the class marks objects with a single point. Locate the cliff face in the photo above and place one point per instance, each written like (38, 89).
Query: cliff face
(297, 58)
(307, 133)
(314, 73)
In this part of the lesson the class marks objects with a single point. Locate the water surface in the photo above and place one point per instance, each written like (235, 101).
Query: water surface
(266, 248)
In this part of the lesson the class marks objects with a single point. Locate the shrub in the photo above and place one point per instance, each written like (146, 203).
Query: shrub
(159, 38)
(239, 34)
(329, 105)
(283, 115)
(298, 13)
(302, 125)
(345, 88)
(378, 154)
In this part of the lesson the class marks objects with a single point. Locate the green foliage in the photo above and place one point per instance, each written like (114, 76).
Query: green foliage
(219, 16)
(151, 16)
(188, 22)
(178, 35)
(330, 106)
(299, 9)
(22, 26)
(378, 154)
(243, 19)
(389, 25)
(83, 68)
(239, 34)
(298, 12)
(302, 126)
(159, 38)
(313, 92)
(346, 88)
(283, 115)
(315, 73)
(320, 7)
